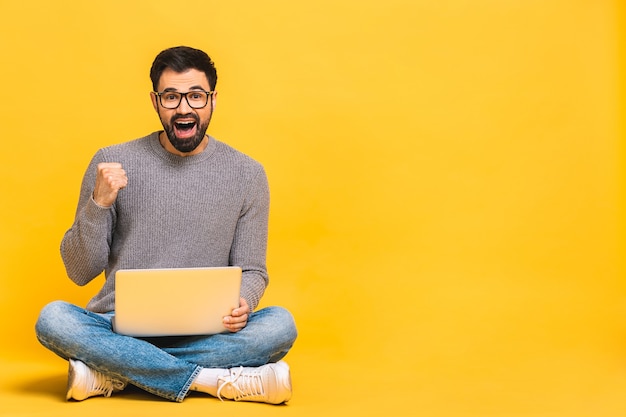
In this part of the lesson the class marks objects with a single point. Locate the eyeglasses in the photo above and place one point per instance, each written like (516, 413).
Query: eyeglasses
(197, 99)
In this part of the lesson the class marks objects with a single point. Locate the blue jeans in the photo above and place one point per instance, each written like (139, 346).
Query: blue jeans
(164, 366)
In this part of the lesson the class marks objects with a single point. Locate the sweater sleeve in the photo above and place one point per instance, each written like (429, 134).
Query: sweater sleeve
(85, 246)
(250, 240)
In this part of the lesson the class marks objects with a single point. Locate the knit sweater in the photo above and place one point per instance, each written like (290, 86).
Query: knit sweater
(204, 210)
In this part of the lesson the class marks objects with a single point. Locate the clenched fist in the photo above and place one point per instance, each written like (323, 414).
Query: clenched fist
(110, 179)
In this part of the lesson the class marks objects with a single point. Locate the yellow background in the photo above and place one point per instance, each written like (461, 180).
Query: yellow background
(447, 191)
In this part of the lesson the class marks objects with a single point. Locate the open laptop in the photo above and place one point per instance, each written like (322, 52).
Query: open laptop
(174, 301)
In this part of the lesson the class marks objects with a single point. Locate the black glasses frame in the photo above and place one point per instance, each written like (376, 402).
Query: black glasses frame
(160, 94)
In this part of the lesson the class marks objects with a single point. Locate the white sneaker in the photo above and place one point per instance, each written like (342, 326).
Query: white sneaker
(84, 382)
(269, 383)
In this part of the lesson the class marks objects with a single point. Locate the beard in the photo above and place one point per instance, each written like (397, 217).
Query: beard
(185, 144)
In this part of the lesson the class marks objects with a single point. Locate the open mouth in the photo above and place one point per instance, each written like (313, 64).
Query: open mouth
(185, 128)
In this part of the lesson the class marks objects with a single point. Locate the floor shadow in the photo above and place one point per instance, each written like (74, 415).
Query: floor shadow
(52, 386)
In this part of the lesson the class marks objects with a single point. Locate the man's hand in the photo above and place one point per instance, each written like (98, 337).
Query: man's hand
(110, 179)
(238, 318)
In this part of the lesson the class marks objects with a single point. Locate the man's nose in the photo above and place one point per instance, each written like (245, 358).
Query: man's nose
(184, 106)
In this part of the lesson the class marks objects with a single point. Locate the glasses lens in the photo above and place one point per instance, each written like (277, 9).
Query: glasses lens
(170, 100)
(197, 99)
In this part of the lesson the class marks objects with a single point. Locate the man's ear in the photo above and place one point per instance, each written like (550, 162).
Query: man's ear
(153, 97)
(213, 99)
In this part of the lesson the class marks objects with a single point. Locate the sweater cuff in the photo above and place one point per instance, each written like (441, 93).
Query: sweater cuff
(93, 200)
(94, 212)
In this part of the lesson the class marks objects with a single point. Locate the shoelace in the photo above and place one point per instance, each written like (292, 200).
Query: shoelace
(244, 385)
(105, 385)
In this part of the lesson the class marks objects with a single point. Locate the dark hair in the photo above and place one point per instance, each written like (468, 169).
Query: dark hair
(181, 59)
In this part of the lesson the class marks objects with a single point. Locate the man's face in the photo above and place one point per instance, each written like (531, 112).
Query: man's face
(184, 126)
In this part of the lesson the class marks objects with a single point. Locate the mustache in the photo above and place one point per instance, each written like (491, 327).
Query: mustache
(193, 116)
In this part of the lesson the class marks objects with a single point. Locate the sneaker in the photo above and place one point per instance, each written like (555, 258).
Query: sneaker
(269, 383)
(83, 382)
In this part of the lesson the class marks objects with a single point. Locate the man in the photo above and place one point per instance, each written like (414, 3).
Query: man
(175, 198)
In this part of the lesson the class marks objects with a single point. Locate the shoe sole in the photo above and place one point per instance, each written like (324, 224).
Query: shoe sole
(71, 375)
(285, 382)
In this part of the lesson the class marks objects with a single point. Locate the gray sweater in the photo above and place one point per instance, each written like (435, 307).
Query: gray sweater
(203, 210)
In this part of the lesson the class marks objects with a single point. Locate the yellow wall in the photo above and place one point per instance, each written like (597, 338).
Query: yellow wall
(445, 176)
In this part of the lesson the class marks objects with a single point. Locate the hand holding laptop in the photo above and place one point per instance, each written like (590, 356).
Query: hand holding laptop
(239, 317)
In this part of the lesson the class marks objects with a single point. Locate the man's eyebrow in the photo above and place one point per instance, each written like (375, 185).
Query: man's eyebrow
(195, 87)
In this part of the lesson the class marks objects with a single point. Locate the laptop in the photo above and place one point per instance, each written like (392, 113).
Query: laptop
(174, 301)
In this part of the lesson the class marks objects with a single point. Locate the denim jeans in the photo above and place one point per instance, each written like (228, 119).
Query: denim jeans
(164, 366)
